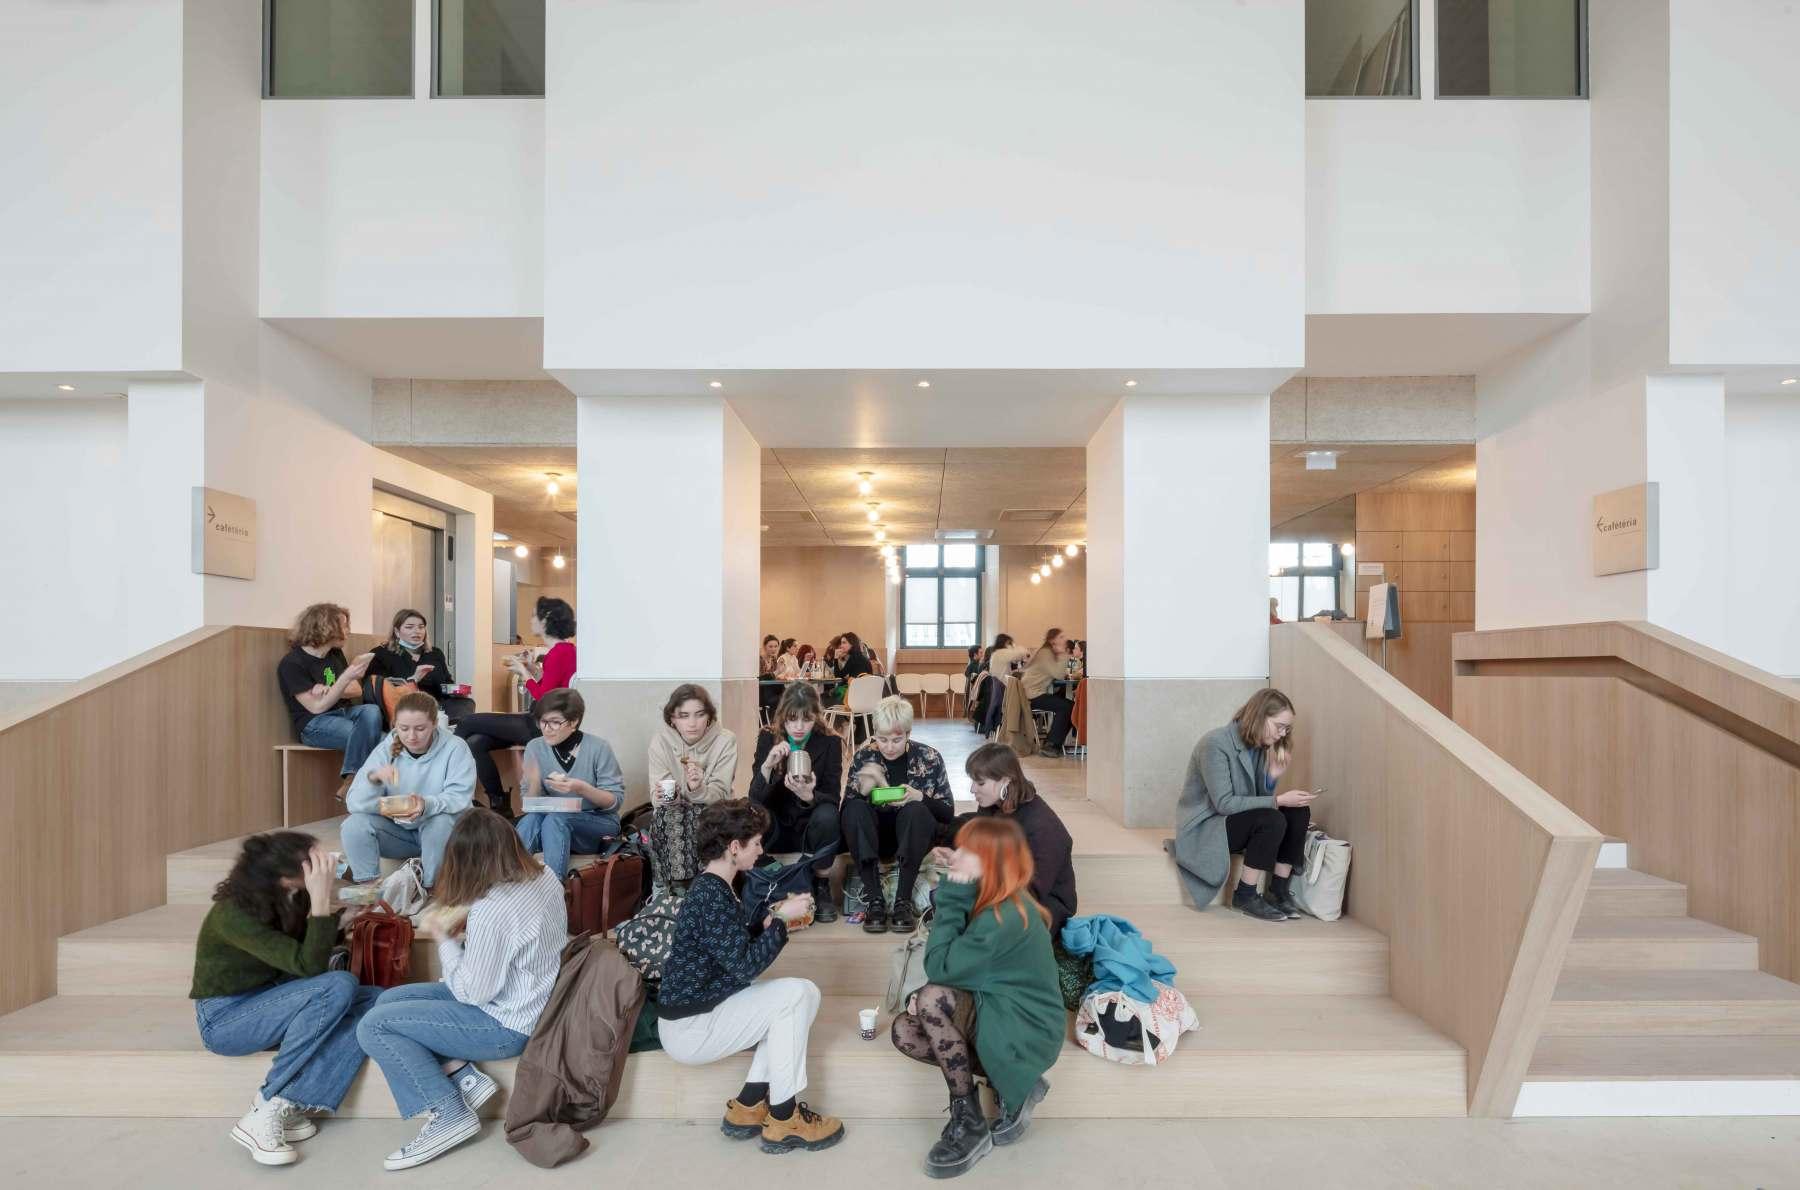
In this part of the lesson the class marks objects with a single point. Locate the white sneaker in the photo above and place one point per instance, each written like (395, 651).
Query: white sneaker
(262, 1133)
(476, 1087)
(296, 1125)
(444, 1130)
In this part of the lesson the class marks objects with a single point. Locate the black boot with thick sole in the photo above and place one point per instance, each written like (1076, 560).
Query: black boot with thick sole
(966, 1139)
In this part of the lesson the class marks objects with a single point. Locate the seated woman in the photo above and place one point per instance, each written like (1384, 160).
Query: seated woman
(808, 657)
(500, 927)
(323, 691)
(766, 660)
(1047, 665)
(803, 810)
(710, 1005)
(902, 829)
(993, 987)
(787, 666)
(407, 797)
(692, 764)
(1229, 805)
(555, 622)
(408, 656)
(261, 982)
(1001, 791)
(567, 762)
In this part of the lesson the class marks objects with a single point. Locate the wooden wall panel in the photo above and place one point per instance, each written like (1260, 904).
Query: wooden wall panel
(1475, 874)
(169, 750)
(1691, 757)
(1426, 544)
(1420, 658)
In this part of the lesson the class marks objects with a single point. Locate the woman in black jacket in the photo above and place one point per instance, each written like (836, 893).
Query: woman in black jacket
(1001, 790)
(409, 656)
(803, 810)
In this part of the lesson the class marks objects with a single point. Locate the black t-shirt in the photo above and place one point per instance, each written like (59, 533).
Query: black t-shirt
(300, 671)
(897, 769)
(854, 666)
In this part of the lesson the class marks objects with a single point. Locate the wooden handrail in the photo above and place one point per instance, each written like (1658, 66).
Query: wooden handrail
(1689, 755)
(1475, 874)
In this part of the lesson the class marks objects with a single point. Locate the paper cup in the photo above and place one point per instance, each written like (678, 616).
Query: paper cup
(666, 788)
(866, 1019)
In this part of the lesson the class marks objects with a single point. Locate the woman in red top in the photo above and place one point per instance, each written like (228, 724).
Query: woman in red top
(555, 622)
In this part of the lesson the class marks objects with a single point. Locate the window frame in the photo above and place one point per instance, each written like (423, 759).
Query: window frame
(940, 572)
(437, 26)
(1417, 91)
(1582, 93)
(268, 56)
(1302, 572)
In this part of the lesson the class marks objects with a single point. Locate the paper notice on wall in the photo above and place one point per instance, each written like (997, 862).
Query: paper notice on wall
(1369, 570)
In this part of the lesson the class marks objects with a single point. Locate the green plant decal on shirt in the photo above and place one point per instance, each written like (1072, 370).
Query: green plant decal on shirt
(330, 677)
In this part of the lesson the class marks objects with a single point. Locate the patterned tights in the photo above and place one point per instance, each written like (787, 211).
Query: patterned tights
(930, 1035)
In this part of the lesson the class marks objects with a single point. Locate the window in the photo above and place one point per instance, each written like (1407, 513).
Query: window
(1512, 48)
(488, 47)
(1362, 47)
(322, 49)
(940, 598)
(1303, 578)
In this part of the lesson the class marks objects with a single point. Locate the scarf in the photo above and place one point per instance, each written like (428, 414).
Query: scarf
(715, 753)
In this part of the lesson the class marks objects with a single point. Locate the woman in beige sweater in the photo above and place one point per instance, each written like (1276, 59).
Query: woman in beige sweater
(1047, 664)
(692, 764)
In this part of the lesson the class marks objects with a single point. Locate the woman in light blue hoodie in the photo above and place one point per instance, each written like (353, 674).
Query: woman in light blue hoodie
(408, 795)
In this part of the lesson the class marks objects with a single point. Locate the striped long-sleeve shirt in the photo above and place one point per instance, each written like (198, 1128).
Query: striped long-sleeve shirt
(510, 953)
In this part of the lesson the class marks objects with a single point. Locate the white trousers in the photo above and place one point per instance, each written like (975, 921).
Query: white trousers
(774, 1015)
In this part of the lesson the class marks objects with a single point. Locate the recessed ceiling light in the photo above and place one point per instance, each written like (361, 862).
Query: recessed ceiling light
(551, 488)
(716, 384)
(1131, 384)
(924, 384)
(502, 537)
(521, 550)
(1791, 380)
(69, 388)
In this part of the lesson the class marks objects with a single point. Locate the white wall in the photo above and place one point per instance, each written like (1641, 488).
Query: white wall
(1762, 444)
(1734, 189)
(855, 184)
(1684, 452)
(166, 455)
(90, 212)
(63, 599)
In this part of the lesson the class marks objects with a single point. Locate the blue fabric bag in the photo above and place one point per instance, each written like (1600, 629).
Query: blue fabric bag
(1123, 958)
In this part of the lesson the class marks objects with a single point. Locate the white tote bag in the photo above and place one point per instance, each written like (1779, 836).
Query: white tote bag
(1166, 1020)
(1320, 889)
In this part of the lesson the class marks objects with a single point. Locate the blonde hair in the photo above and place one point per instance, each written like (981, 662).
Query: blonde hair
(414, 700)
(1262, 706)
(891, 714)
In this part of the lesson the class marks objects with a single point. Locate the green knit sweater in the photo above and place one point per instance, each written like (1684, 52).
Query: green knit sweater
(236, 953)
(1020, 1022)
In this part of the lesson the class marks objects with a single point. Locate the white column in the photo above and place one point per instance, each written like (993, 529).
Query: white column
(668, 566)
(1177, 566)
(1762, 444)
(1684, 454)
(165, 462)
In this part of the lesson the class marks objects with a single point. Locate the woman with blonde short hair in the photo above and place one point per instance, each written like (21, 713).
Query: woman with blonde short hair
(897, 799)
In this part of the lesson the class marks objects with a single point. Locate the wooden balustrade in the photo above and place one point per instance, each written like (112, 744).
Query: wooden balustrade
(1475, 874)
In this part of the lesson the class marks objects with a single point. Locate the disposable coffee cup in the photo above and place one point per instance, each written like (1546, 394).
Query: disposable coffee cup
(666, 788)
(866, 1019)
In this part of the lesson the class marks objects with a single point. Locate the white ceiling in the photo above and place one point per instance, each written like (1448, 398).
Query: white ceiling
(515, 476)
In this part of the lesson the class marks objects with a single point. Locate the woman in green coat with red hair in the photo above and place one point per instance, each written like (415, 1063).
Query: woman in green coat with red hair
(992, 998)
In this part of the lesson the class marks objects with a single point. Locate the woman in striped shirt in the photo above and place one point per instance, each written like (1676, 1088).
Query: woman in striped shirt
(500, 926)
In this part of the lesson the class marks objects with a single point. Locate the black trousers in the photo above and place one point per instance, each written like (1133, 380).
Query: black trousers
(1276, 835)
(874, 833)
(1061, 710)
(483, 733)
(795, 826)
(456, 707)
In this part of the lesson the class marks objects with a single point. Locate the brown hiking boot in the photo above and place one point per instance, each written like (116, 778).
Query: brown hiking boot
(744, 1123)
(805, 1129)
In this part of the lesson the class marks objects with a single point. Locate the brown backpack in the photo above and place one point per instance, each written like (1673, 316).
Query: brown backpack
(381, 947)
(604, 893)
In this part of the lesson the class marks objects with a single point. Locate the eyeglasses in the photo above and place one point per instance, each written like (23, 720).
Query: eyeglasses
(1281, 730)
(553, 724)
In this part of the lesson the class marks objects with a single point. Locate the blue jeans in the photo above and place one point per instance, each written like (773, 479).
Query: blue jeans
(559, 834)
(355, 729)
(413, 1027)
(368, 837)
(311, 1023)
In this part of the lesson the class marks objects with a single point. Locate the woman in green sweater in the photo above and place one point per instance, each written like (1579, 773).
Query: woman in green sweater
(262, 982)
(993, 987)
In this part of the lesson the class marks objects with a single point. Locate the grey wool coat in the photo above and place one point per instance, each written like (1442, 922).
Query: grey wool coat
(1224, 777)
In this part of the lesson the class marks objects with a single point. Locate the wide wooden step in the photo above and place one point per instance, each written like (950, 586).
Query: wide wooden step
(1651, 943)
(1330, 1056)
(1216, 952)
(1655, 1075)
(1677, 1003)
(1622, 892)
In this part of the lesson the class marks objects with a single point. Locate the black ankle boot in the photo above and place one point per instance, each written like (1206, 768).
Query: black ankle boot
(824, 908)
(1014, 1121)
(875, 917)
(966, 1139)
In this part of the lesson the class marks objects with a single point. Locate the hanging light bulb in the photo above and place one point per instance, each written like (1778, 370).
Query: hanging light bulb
(1036, 578)
(880, 533)
(520, 551)
(1044, 570)
(559, 561)
(865, 486)
(874, 512)
(1056, 561)
(552, 487)
(894, 577)
(1072, 549)
(887, 551)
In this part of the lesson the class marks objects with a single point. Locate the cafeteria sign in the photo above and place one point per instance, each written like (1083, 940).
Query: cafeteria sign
(224, 534)
(1625, 537)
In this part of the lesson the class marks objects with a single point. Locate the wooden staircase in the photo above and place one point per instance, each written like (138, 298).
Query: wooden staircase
(1659, 1013)
(1302, 1007)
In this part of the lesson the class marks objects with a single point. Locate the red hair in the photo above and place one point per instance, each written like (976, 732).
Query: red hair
(1006, 866)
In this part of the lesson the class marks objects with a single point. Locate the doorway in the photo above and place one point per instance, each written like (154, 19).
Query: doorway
(414, 551)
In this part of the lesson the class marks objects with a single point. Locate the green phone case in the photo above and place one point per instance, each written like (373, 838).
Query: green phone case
(883, 795)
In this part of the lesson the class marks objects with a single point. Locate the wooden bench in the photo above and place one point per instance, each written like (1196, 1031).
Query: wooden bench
(309, 791)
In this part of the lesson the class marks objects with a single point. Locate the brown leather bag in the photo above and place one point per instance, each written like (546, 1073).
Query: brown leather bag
(381, 947)
(392, 691)
(604, 893)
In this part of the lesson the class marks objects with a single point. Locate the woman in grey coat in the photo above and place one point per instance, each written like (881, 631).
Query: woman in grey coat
(1229, 805)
